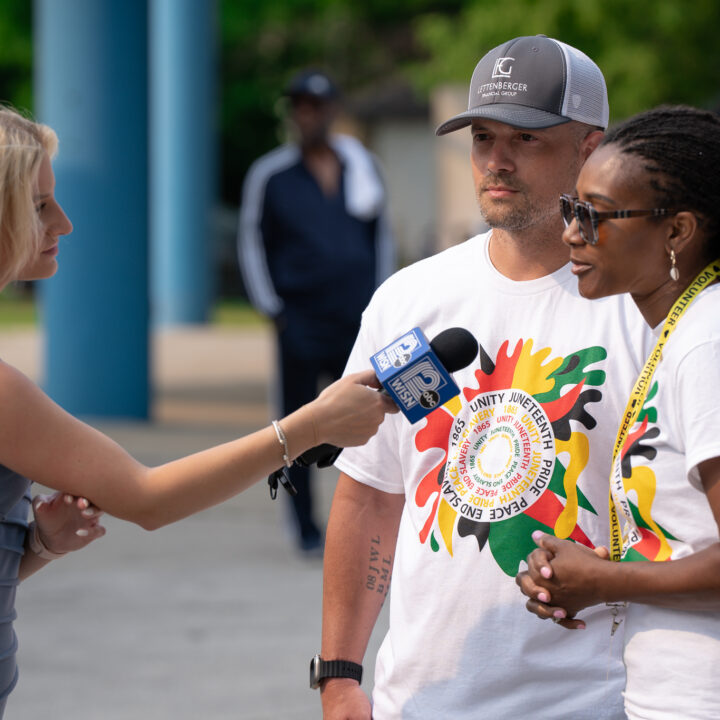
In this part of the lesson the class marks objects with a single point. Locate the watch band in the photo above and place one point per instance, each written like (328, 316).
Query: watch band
(341, 668)
(322, 669)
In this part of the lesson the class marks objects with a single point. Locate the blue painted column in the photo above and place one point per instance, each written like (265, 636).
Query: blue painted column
(91, 87)
(182, 111)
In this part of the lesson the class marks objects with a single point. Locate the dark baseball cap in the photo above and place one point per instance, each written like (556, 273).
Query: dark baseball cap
(534, 82)
(314, 83)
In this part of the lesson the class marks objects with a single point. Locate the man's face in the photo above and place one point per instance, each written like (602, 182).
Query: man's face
(519, 174)
(312, 117)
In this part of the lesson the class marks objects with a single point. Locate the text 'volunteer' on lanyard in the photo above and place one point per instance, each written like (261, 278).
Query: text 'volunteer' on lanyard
(642, 386)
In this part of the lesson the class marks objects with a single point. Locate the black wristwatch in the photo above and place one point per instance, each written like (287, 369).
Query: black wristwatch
(321, 669)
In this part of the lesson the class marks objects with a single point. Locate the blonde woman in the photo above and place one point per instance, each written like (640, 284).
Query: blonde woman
(40, 442)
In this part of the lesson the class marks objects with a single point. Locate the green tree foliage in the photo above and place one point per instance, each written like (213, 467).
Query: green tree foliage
(264, 43)
(651, 51)
(16, 53)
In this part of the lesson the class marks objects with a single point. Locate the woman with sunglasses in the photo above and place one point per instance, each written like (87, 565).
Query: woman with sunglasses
(40, 442)
(647, 222)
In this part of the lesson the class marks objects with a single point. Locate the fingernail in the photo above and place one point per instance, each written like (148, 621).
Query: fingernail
(68, 499)
(89, 512)
(546, 572)
(39, 504)
(82, 532)
(537, 534)
(542, 597)
(581, 627)
(560, 614)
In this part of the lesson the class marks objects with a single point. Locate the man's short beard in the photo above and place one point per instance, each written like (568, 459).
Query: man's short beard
(512, 218)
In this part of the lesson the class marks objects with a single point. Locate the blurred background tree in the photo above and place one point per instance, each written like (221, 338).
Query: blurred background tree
(361, 44)
(16, 53)
(651, 51)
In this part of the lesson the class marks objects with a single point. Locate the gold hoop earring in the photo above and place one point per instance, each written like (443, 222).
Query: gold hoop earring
(674, 272)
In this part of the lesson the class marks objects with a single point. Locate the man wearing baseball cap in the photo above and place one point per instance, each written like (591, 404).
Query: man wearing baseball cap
(313, 244)
(448, 506)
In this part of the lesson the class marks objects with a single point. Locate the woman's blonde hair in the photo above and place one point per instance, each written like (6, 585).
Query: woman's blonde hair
(23, 144)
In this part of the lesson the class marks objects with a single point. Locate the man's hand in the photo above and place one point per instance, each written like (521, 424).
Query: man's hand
(344, 699)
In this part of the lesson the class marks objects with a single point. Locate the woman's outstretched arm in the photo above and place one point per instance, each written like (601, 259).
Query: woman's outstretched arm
(41, 441)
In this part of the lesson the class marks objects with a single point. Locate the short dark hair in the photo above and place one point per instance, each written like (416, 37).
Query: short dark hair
(681, 147)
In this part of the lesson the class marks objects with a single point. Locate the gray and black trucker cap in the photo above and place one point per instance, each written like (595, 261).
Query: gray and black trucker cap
(534, 82)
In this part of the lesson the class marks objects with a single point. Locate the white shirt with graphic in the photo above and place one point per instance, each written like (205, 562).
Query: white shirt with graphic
(672, 655)
(526, 446)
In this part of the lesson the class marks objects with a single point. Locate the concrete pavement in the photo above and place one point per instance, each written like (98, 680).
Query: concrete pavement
(213, 617)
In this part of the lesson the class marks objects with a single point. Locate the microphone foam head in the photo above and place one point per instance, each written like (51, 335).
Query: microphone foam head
(455, 348)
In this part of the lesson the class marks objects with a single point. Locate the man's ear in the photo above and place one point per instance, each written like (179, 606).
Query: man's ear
(589, 143)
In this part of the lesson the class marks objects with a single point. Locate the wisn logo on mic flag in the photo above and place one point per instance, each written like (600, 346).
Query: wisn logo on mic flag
(413, 376)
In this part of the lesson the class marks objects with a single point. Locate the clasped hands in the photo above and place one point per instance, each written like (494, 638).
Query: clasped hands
(562, 578)
(65, 522)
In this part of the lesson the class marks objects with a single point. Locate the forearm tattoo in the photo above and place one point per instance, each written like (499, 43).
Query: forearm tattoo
(379, 569)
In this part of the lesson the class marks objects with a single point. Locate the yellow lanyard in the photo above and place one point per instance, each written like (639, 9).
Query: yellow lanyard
(639, 393)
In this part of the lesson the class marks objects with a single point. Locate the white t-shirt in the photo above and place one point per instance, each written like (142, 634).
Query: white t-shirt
(525, 446)
(672, 656)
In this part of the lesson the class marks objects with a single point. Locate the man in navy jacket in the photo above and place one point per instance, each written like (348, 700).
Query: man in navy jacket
(313, 245)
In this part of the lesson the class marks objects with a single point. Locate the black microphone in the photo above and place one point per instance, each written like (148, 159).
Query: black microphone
(454, 349)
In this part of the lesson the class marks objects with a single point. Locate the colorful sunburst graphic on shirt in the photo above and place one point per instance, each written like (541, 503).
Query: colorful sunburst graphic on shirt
(643, 539)
(512, 458)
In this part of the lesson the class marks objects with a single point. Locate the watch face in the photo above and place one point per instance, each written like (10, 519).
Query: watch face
(315, 672)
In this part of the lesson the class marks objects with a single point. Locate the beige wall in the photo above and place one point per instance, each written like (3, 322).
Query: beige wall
(430, 188)
(458, 217)
(405, 149)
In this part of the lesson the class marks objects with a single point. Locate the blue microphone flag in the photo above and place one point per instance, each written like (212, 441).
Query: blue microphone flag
(412, 375)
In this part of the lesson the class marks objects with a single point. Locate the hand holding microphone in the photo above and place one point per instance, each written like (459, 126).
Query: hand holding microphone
(415, 374)
(412, 376)
(349, 411)
(346, 413)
